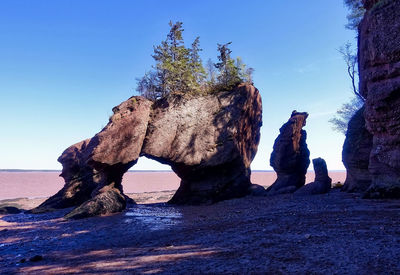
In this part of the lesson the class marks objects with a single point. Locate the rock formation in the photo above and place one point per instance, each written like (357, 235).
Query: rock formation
(379, 66)
(322, 182)
(356, 150)
(290, 157)
(209, 141)
(93, 168)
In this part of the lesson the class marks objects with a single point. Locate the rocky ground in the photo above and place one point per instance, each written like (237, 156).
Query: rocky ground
(336, 233)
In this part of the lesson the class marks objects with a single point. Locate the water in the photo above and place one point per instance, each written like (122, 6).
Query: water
(154, 217)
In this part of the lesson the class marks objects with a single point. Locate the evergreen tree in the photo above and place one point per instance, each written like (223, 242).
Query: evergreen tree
(245, 73)
(149, 86)
(228, 72)
(356, 13)
(180, 70)
(176, 63)
(196, 66)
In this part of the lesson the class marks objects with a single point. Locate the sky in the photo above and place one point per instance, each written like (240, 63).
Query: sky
(65, 64)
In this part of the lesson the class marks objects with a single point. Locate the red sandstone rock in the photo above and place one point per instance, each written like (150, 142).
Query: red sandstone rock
(322, 182)
(379, 66)
(93, 168)
(209, 141)
(356, 150)
(290, 156)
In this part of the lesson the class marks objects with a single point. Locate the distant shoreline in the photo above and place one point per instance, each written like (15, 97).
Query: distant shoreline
(129, 171)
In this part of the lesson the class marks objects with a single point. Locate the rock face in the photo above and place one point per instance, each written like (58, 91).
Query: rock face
(355, 155)
(379, 66)
(93, 168)
(290, 157)
(209, 141)
(322, 182)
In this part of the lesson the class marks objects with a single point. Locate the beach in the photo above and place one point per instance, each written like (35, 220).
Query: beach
(331, 233)
(334, 233)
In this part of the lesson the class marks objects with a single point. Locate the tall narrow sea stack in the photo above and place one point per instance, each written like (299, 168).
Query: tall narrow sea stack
(290, 157)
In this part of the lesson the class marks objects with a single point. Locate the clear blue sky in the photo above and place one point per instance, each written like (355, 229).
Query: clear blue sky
(65, 64)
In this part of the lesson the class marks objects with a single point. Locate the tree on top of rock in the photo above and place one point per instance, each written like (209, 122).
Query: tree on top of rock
(356, 13)
(228, 72)
(180, 70)
(196, 66)
(177, 69)
(231, 72)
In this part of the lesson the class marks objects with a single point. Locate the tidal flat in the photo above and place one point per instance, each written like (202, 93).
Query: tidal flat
(334, 233)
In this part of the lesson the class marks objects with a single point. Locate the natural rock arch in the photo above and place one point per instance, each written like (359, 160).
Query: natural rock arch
(209, 141)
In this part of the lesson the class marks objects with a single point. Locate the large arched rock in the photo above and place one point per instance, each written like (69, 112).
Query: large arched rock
(290, 157)
(355, 155)
(379, 66)
(208, 140)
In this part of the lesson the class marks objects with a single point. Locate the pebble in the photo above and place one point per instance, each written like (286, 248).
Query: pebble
(36, 258)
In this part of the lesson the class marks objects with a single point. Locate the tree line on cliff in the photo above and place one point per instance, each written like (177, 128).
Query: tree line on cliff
(179, 69)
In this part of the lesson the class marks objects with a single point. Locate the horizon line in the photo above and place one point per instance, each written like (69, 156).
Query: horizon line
(133, 171)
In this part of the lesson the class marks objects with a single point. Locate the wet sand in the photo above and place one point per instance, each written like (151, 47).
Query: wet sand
(336, 233)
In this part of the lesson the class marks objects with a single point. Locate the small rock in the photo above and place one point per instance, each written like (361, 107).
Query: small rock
(23, 260)
(9, 210)
(307, 236)
(36, 258)
(257, 190)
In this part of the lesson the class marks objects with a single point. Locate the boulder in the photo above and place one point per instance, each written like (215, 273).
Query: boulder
(379, 67)
(322, 182)
(9, 210)
(355, 155)
(290, 157)
(208, 140)
(257, 190)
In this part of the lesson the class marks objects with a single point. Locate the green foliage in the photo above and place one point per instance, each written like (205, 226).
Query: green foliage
(356, 13)
(180, 70)
(228, 71)
(380, 4)
(177, 69)
(196, 67)
(344, 114)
